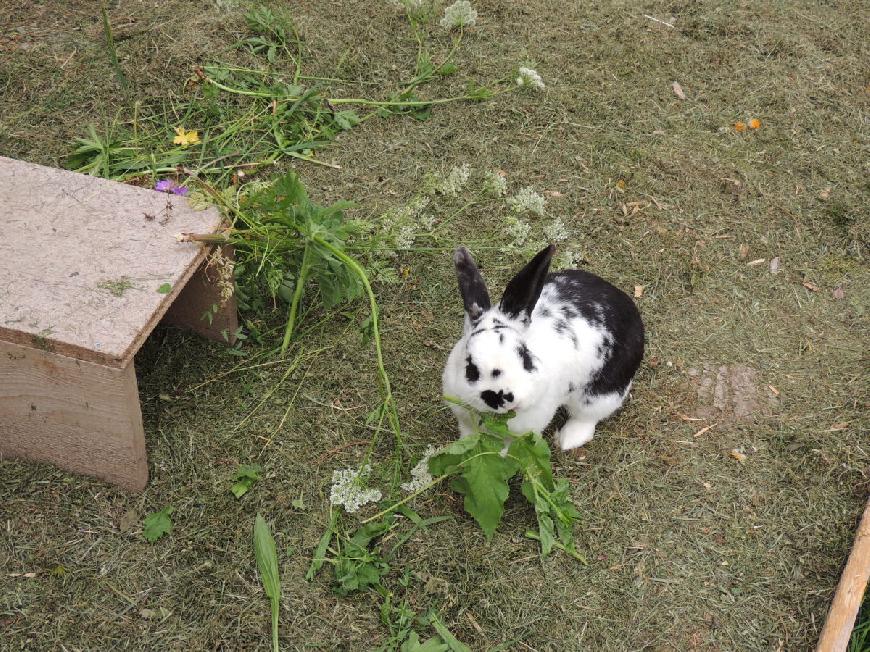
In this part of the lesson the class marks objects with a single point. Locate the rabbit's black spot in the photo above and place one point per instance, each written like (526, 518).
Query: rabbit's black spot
(569, 312)
(501, 338)
(545, 312)
(496, 373)
(472, 373)
(561, 326)
(495, 400)
(526, 357)
(572, 388)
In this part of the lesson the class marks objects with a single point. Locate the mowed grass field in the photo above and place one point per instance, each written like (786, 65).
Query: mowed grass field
(751, 249)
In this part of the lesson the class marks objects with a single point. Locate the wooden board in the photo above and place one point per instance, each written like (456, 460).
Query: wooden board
(847, 599)
(80, 416)
(82, 258)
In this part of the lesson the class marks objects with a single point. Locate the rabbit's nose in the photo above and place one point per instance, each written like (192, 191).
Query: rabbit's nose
(496, 400)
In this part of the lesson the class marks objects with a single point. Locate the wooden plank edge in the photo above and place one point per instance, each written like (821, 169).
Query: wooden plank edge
(850, 592)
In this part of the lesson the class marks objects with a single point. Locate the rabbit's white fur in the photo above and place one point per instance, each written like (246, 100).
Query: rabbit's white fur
(535, 364)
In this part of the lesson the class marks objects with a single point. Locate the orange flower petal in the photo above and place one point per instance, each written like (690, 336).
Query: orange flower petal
(755, 123)
(739, 126)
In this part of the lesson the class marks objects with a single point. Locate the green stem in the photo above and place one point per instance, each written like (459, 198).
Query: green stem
(406, 499)
(239, 91)
(531, 534)
(275, 625)
(389, 402)
(365, 102)
(297, 296)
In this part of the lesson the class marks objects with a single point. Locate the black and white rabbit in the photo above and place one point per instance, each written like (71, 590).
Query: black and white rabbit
(566, 338)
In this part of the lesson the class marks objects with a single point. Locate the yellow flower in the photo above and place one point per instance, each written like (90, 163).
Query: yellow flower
(739, 126)
(755, 123)
(184, 137)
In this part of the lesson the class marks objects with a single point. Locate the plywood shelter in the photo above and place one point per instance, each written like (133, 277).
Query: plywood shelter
(88, 267)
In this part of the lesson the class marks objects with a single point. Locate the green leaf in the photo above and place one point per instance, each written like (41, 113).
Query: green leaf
(482, 476)
(358, 566)
(413, 644)
(478, 93)
(245, 477)
(346, 119)
(158, 524)
(533, 454)
(320, 552)
(267, 564)
(166, 288)
(267, 557)
(448, 69)
(453, 644)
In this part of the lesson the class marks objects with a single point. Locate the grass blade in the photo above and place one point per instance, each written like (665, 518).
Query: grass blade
(320, 551)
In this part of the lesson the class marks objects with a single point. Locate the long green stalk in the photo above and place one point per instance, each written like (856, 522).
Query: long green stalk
(389, 402)
(297, 296)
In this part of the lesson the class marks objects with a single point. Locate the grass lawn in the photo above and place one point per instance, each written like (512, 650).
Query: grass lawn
(749, 245)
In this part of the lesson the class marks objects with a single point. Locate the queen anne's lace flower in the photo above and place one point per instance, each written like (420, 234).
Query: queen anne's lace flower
(556, 231)
(348, 490)
(529, 77)
(495, 184)
(456, 180)
(420, 475)
(459, 14)
(527, 200)
(569, 258)
(518, 230)
(405, 237)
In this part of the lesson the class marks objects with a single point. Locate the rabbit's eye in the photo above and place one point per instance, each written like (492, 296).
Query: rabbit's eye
(472, 373)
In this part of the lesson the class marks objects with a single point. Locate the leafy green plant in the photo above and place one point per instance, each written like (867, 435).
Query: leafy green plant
(482, 464)
(358, 564)
(273, 30)
(267, 565)
(158, 524)
(244, 478)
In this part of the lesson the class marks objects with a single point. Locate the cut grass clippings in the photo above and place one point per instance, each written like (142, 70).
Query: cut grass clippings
(687, 548)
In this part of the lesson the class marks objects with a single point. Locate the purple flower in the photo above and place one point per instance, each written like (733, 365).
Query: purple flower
(169, 185)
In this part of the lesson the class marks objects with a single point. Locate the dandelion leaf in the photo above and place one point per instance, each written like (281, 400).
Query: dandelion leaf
(483, 475)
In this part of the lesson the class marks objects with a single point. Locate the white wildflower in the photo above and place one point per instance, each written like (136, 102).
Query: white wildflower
(568, 258)
(459, 14)
(518, 230)
(416, 206)
(456, 180)
(495, 184)
(348, 490)
(413, 7)
(529, 77)
(420, 475)
(555, 231)
(426, 221)
(527, 200)
(405, 237)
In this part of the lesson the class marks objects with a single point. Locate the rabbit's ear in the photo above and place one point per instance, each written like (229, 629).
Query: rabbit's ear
(524, 289)
(475, 296)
